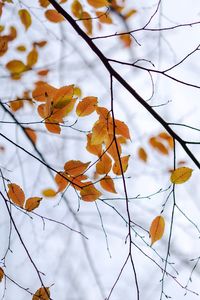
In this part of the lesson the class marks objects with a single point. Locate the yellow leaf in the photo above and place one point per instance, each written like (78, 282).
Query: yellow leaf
(49, 193)
(2, 27)
(94, 149)
(21, 48)
(77, 9)
(32, 58)
(98, 3)
(16, 66)
(32, 203)
(75, 167)
(87, 22)
(31, 133)
(86, 106)
(53, 16)
(103, 17)
(157, 229)
(108, 184)
(99, 133)
(42, 294)
(25, 18)
(181, 175)
(104, 165)
(90, 193)
(16, 194)
(117, 168)
(142, 154)
(1, 274)
(130, 13)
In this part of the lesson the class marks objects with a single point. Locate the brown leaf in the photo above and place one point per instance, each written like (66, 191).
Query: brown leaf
(16, 194)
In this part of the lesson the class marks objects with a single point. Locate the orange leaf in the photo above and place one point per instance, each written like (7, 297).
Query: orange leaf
(157, 229)
(94, 149)
(117, 167)
(168, 138)
(86, 106)
(77, 9)
(32, 58)
(13, 33)
(31, 133)
(181, 175)
(52, 126)
(90, 193)
(1, 274)
(43, 72)
(158, 146)
(61, 181)
(49, 193)
(32, 203)
(40, 44)
(99, 133)
(103, 17)
(75, 167)
(130, 13)
(44, 3)
(104, 165)
(63, 96)
(87, 22)
(16, 104)
(42, 294)
(103, 113)
(98, 3)
(120, 128)
(25, 18)
(113, 148)
(16, 66)
(53, 16)
(43, 91)
(3, 44)
(16, 194)
(108, 184)
(142, 154)
(126, 39)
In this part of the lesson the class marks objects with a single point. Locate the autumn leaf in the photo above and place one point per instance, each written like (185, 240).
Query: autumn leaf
(32, 134)
(86, 106)
(90, 193)
(15, 105)
(157, 229)
(181, 175)
(3, 44)
(142, 154)
(16, 194)
(32, 203)
(157, 145)
(87, 22)
(1, 274)
(98, 3)
(21, 48)
(49, 193)
(75, 167)
(124, 162)
(44, 3)
(61, 181)
(53, 16)
(52, 125)
(104, 165)
(130, 13)
(168, 138)
(25, 18)
(94, 149)
(103, 17)
(32, 58)
(16, 66)
(126, 39)
(42, 293)
(77, 9)
(63, 96)
(107, 184)
(113, 147)
(99, 133)
(43, 91)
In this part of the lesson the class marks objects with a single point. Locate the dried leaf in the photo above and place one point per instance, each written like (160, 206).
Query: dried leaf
(15, 105)
(86, 106)
(53, 16)
(3, 44)
(44, 3)
(99, 133)
(103, 17)
(16, 194)
(104, 165)
(90, 193)
(52, 125)
(25, 18)
(61, 182)
(87, 22)
(16, 66)
(181, 175)
(117, 167)
(157, 229)
(77, 9)
(43, 91)
(42, 294)
(94, 149)
(75, 167)
(108, 184)
(142, 154)
(32, 203)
